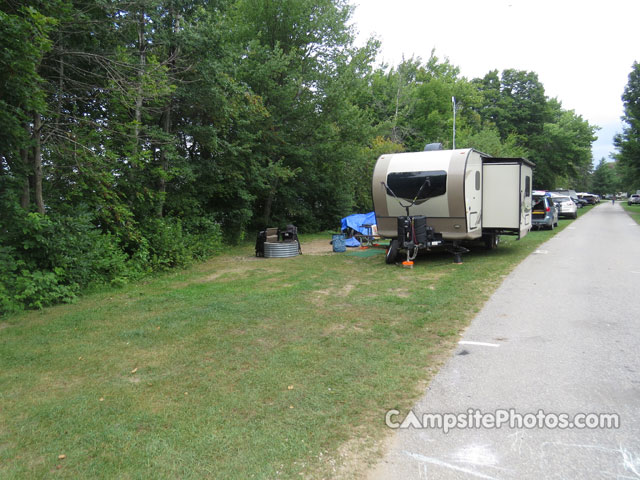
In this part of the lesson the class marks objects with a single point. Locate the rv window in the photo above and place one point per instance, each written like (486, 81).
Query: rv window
(418, 185)
(527, 186)
(478, 180)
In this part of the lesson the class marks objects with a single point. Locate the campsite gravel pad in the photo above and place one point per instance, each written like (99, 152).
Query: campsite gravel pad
(369, 252)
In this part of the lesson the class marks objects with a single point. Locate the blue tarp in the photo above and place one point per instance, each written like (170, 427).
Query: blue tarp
(356, 221)
(352, 242)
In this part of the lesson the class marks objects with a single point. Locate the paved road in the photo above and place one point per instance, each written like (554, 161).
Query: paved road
(562, 335)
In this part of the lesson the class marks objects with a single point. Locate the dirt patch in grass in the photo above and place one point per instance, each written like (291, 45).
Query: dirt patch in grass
(317, 247)
(400, 292)
(344, 291)
(341, 328)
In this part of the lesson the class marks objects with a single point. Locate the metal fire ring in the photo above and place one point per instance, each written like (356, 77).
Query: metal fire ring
(280, 249)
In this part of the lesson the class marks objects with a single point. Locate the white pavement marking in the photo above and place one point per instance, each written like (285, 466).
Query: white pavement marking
(481, 344)
(630, 461)
(435, 461)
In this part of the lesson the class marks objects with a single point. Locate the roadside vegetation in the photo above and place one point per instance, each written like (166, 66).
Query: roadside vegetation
(237, 367)
(632, 210)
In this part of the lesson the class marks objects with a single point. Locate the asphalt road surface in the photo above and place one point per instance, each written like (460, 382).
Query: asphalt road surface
(561, 336)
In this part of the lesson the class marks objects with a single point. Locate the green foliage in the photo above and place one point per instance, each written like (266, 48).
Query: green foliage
(605, 179)
(488, 141)
(169, 244)
(367, 158)
(563, 148)
(628, 142)
(45, 260)
(23, 42)
(558, 141)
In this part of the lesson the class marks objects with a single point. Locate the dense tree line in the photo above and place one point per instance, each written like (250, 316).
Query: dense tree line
(623, 175)
(137, 135)
(628, 142)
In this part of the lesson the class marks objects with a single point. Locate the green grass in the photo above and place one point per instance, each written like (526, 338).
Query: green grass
(244, 367)
(633, 210)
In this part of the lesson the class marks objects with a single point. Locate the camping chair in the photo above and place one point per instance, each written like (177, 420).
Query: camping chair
(267, 235)
(262, 237)
(367, 238)
(272, 235)
(290, 234)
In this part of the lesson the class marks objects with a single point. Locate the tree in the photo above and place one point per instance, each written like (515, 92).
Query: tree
(24, 40)
(563, 148)
(296, 56)
(515, 103)
(488, 141)
(628, 142)
(412, 102)
(556, 140)
(603, 180)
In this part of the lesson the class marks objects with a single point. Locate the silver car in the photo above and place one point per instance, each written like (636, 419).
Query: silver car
(634, 199)
(544, 213)
(566, 207)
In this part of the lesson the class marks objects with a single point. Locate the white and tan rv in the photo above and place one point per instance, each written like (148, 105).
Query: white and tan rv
(458, 195)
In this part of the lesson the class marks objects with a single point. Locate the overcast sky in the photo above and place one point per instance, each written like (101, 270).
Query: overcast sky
(582, 51)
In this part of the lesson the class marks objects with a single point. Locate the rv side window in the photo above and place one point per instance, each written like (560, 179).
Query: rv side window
(527, 186)
(478, 180)
(417, 185)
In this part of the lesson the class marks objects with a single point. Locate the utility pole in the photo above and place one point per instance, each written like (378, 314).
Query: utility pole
(453, 99)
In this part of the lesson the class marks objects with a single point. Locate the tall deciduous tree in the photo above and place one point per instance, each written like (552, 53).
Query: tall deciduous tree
(604, 179)
(628, 142)
(24, 40)
(563, 147)
(295, 56)
(514, 102)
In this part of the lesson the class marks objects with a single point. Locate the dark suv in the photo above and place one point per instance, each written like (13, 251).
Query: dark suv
(544, 212)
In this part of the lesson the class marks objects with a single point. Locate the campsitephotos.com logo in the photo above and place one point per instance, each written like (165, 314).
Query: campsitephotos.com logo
(508, 418)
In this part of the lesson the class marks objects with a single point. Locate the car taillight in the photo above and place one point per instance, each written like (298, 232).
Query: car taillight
(548, 209)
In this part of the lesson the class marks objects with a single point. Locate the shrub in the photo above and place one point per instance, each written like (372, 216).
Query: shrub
(49, 259)
(171, 244)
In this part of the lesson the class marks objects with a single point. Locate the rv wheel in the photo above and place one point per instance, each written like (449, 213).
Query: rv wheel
(392, 252)
(491, 241)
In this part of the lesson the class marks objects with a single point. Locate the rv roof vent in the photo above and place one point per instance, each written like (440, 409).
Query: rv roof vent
(432, 146)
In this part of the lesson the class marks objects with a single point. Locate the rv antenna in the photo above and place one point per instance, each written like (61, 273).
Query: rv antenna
(453, 99)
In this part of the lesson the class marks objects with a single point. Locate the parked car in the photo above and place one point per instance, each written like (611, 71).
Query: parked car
(589, 198)
(571, 194)
(544, 212)
(566, 207)
(634, 199)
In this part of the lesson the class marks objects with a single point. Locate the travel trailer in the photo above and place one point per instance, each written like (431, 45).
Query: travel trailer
(449, 197)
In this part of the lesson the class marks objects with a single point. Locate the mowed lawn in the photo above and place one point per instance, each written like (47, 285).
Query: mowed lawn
(633, 210)
(236, 368)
